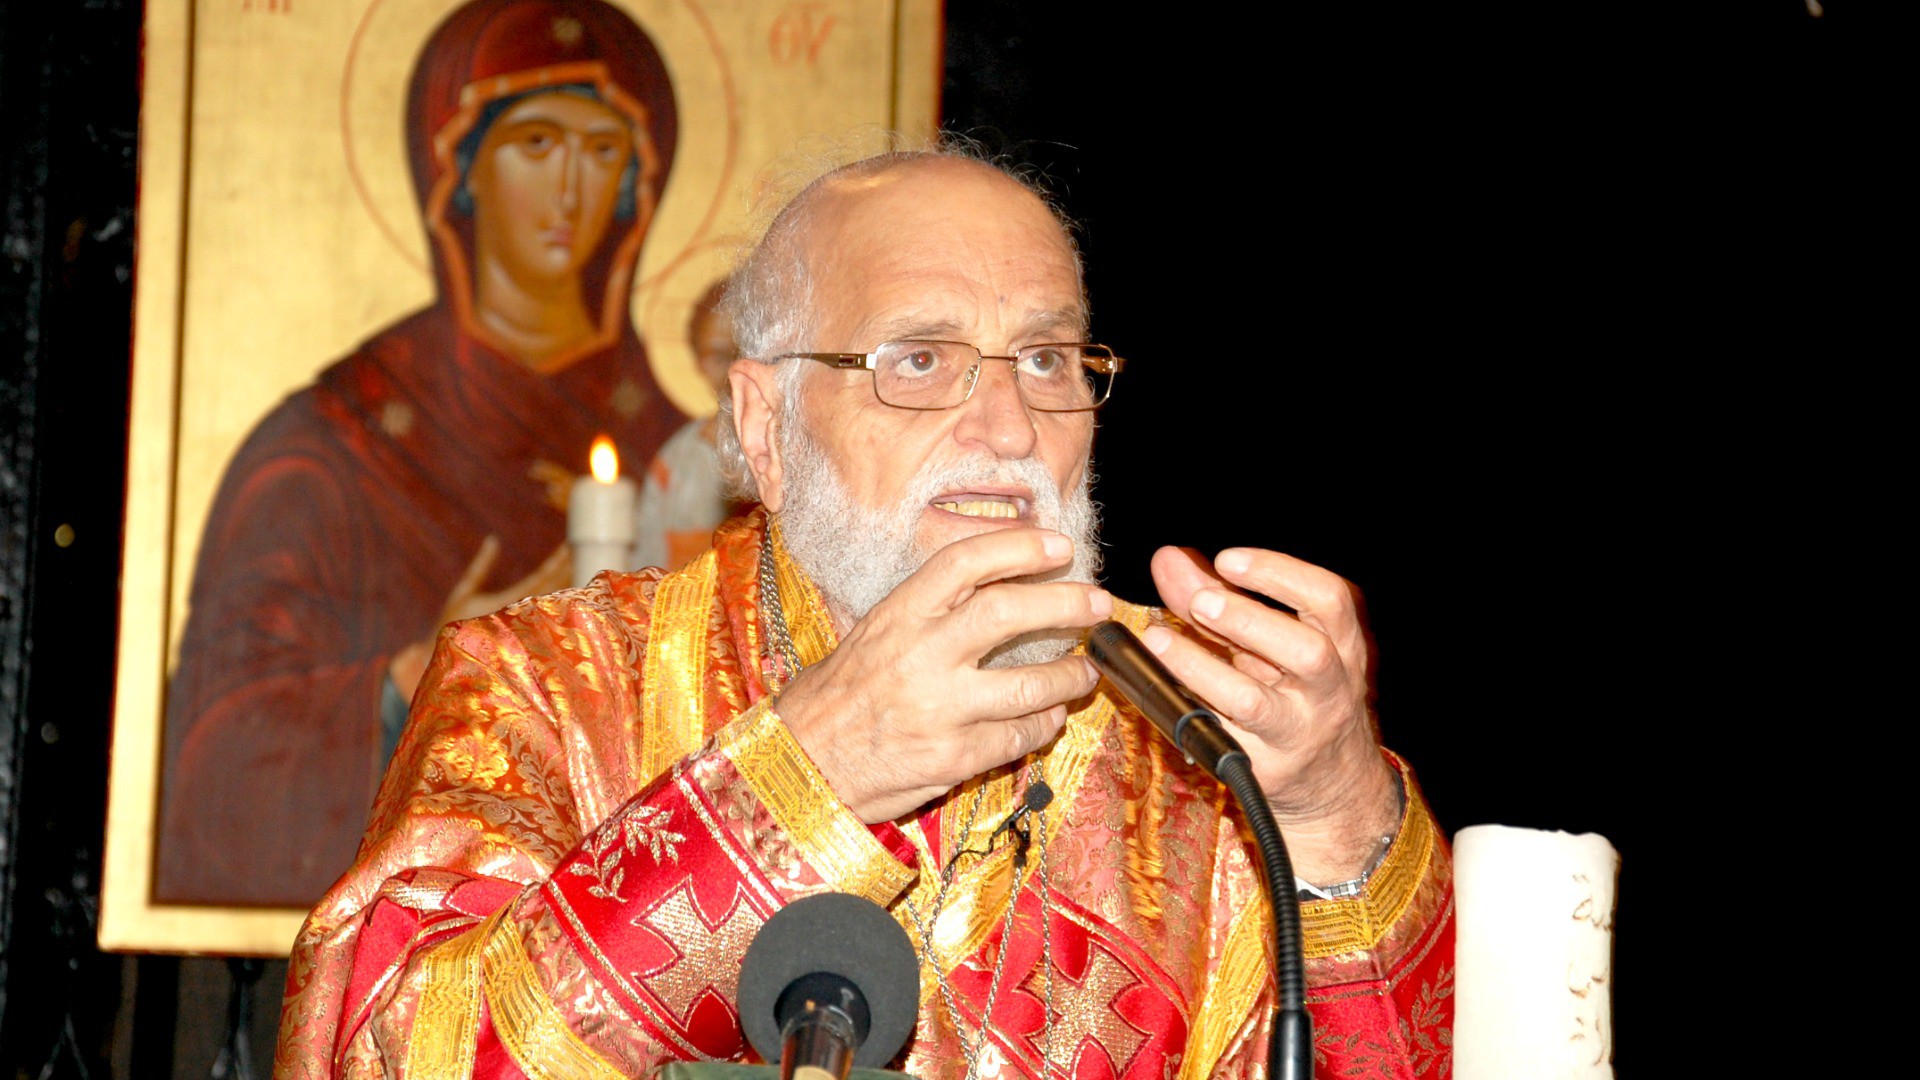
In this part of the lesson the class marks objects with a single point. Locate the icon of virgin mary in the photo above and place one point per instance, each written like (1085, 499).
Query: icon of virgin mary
(423, 477)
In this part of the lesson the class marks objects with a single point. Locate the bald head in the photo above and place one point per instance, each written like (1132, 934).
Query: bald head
(878, 249)
(770, 295)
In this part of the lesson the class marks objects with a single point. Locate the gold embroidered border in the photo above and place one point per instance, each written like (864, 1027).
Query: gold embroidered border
(447, 1019)
(675, 668)
(834, 842)
(529, 1024)
(1406, 967)
(1332, 927)
(1241, 977)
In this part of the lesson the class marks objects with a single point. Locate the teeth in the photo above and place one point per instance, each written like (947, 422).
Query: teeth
(982, 508)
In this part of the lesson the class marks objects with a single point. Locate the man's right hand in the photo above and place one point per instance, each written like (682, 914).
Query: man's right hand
(902, 712)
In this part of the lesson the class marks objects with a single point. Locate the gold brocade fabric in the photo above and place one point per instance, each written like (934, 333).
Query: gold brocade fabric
(596, 805)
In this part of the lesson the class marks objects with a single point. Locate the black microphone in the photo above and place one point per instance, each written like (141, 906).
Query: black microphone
(1038, 796)
(830, 982)
(1142, 679)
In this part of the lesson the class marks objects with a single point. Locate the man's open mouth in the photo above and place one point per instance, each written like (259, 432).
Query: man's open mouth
(980, 507)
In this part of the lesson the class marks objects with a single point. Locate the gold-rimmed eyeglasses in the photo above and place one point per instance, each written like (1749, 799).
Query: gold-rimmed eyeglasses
(914, 374)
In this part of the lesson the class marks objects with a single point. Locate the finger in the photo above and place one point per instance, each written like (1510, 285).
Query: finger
(1033, 688)
(1255, 706)
(1322, 598)
(950, 577)
(479, 568)
(1258, 667)
(993, 743)
(1283, 640)
(1004, 610)
(1179, 573)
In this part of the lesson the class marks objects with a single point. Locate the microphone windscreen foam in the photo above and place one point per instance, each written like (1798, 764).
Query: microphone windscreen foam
(837, 934)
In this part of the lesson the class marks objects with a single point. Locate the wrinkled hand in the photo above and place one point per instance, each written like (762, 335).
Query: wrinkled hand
(469, 601)
(902, 712)
(1293, 690)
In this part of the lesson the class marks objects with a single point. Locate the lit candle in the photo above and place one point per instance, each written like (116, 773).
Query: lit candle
(600, 516)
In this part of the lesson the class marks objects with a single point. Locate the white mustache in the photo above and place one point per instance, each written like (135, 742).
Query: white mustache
(936, 480)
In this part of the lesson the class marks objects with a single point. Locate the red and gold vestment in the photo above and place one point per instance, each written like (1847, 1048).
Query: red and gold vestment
(595, 807)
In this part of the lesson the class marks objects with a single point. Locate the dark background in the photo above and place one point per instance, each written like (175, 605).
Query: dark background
(1461, 301)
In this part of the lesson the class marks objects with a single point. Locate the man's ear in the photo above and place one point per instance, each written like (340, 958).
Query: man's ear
(756, 420)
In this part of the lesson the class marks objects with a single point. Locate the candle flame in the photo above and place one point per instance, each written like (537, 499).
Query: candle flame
(606, 463)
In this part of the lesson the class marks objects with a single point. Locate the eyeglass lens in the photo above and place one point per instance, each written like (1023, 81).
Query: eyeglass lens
(933, 374)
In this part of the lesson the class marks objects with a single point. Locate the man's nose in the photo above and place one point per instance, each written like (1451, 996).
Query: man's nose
(993, 416)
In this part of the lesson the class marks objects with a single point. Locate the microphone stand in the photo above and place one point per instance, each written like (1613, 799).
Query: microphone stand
(1196, 732)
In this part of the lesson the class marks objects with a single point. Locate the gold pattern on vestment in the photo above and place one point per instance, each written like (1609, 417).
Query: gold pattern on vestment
(1332, 927)
(1424, 1044)
(1230, 995)
(531, 1027)
(591, 1006)
(470, 757)
(641, 827)
(976, 904)
(839, 846)
(762, 889)
(1090, 1011)
(709, 952)
(448, 1017)
(605, 966)
(675, 669)
(426, 891)
(1426, 1029)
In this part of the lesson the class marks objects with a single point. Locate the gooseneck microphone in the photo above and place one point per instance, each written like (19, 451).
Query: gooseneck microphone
(830, 982)
(1143, 680)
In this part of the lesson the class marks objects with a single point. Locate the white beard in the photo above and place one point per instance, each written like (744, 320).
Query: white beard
(856, 555)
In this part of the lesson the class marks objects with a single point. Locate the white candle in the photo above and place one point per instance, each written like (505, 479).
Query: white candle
(1534, 941)
(600, 516)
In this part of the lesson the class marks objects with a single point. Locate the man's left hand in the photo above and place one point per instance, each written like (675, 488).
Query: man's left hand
(1292, 688)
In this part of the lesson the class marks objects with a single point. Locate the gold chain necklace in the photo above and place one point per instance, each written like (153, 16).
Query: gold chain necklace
(925, 925)
(778, 636)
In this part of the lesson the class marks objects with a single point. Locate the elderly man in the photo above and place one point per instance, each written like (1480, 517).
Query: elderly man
(603, 793)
